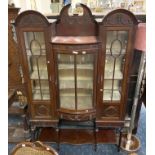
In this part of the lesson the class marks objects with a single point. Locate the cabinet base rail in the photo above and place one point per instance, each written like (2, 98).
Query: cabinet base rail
(78, 134)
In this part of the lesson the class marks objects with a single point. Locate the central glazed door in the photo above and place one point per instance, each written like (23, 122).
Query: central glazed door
(76, 81)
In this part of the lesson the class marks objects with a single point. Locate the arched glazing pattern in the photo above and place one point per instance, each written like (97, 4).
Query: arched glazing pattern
(36, 56)
(116, 46)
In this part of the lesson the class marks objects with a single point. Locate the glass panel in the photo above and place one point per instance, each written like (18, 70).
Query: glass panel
(115, 41)
(109, 63)
(114, 64)
(108, 93)
(107, 84)
(116, 95)
(85, 73)
(35, 50)
(39, 65)
(37, 37)
(66, 77)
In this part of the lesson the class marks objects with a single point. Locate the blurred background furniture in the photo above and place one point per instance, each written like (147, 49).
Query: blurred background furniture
(18, 128)
(17, 102)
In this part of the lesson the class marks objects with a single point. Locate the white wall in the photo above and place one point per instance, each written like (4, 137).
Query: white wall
(42, 6)
(22, 4)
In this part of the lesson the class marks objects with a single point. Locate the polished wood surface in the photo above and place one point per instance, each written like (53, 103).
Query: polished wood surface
(74, 40)
(78, 136)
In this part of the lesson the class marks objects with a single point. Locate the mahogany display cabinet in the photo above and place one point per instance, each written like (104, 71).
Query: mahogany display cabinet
(75, 69)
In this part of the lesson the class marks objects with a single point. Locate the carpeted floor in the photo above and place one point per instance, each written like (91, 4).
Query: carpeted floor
(103, 149)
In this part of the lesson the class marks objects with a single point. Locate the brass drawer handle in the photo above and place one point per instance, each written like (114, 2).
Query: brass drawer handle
(75, 52)
(84, 52)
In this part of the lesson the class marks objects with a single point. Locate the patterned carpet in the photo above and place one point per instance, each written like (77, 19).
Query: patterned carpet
(103, 149)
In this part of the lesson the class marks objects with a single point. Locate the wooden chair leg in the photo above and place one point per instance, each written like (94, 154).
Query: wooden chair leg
(25, 123)
(59, 134)
(58, 139)
(120, 138)
(33, 134)
(37, 133)
(95, 137)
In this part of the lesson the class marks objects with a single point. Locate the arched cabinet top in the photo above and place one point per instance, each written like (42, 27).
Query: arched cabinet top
(83, 25)
(31, 18)
(86, 12)
(119, 17)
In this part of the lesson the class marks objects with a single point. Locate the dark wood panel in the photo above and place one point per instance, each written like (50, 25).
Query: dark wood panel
(78, 136)
(74, 25)
(106, 136)
(48, 135)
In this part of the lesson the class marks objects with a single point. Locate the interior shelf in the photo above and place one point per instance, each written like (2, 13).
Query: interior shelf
(109, 75)
(79, 66)
(42, 88)
(37, 95)
(69, 83)
(84, 102)
(116, 84)
(108, 94)
(44, 85)
(73, 94)
(78, 78)
(68, 102)
(123, 51)
(43, 74)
